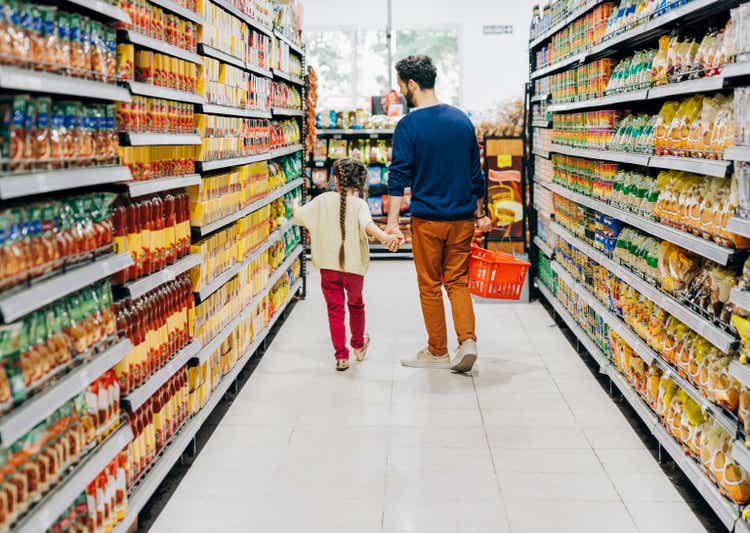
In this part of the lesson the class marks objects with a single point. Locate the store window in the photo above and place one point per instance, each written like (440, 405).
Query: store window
(352, 63)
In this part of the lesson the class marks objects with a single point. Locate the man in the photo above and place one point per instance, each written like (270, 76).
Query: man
(435, 152)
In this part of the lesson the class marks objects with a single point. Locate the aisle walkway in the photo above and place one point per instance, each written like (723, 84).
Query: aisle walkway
(531, 443)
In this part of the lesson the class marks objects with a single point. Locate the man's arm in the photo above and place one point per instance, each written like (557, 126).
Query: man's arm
(481, 220)
(399, 176)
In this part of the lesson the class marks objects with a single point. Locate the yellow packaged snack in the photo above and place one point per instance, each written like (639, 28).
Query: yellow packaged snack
(661, 127)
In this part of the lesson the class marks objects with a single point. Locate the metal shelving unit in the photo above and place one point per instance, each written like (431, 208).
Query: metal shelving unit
(21, 302)
(21, 79)
(101, 8)
(284, 112)
(689, 13)
(139, 396)
(177, 9)
(24, 417)
(152, 186)
(148, 484)
(145, 41)
(720, 338)
(45, 513)
(204, 230)
(139, 287)
(287, 77)
(154, 91)
(20, 185)
(215, 109)
(159, 139)
(701, 246)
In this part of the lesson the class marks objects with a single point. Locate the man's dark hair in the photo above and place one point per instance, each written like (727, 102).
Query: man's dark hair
(417, 68)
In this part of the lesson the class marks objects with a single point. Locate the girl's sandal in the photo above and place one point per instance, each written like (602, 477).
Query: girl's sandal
(342, 364)
(361, 353)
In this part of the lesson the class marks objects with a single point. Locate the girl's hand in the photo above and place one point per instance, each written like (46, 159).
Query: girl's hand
(392, 243)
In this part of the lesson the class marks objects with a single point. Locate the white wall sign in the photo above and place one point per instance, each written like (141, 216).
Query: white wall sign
(499, 29)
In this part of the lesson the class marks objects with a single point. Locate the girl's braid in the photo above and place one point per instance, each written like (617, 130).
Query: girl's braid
(351, 174)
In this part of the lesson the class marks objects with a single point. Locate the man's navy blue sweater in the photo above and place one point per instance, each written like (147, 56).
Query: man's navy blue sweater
(435, 152)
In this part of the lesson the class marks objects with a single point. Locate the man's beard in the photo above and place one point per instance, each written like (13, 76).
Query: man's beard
(410, 99)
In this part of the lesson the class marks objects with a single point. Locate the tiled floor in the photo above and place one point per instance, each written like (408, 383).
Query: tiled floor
(530, 443)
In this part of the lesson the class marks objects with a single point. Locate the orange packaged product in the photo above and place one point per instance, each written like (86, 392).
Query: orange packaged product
(125, 62)
(144, 66)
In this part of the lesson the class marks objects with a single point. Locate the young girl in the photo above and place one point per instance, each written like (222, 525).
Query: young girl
(339, 223)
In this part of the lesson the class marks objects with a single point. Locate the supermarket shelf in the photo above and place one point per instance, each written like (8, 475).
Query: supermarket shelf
(377, 247)
(46, 512)
(177, 9)
(704, 247)
(740, 298)
(294, 47)
(21, 79)
(736, 70)
(631, 96)
(739, 225)
(147, 89)
(240, 15)
(210, 51)
(353, 132)
(139, 287)
(693, 10)
(554, 28)
(102, 8)
(255, 69)
(560, 65)
(217, 283)
(284, 112)
(708, 83)
(202, 231)
(287, 150)
(741, 373)
(211, 346)
(540, 153)
(205, 166)
(737, 153)
(544, 247)
(140, 395)
(540, 97)
(541, 123)
(712, 333)
(151, 481)
(17, 304)
(215, 109)
(20, 185)
(644, 351)
(604, 155)
(145, 41)
(159, 139)
(709, 167)
(741, 526)
(287, 77)
(388, 255)
(727, 512)
(144, 187)
(631, 396)
(23, 418)
(582, 336)
(741, 454)
(280, 271)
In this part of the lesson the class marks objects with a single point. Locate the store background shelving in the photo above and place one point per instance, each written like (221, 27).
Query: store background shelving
(271, 302)
(546, 269)
(377, 251)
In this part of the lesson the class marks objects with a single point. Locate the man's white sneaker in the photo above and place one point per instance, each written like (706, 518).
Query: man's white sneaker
(425, 359)
(466, 356)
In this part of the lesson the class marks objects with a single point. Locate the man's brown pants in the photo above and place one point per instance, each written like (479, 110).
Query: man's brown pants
(441, 257)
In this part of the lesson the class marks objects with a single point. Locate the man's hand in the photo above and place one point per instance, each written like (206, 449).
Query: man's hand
(483, 224)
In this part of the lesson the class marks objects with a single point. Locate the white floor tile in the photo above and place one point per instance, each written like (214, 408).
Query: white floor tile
(529, 443)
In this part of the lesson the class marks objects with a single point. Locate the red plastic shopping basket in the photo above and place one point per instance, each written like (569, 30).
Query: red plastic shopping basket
(496, 274)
